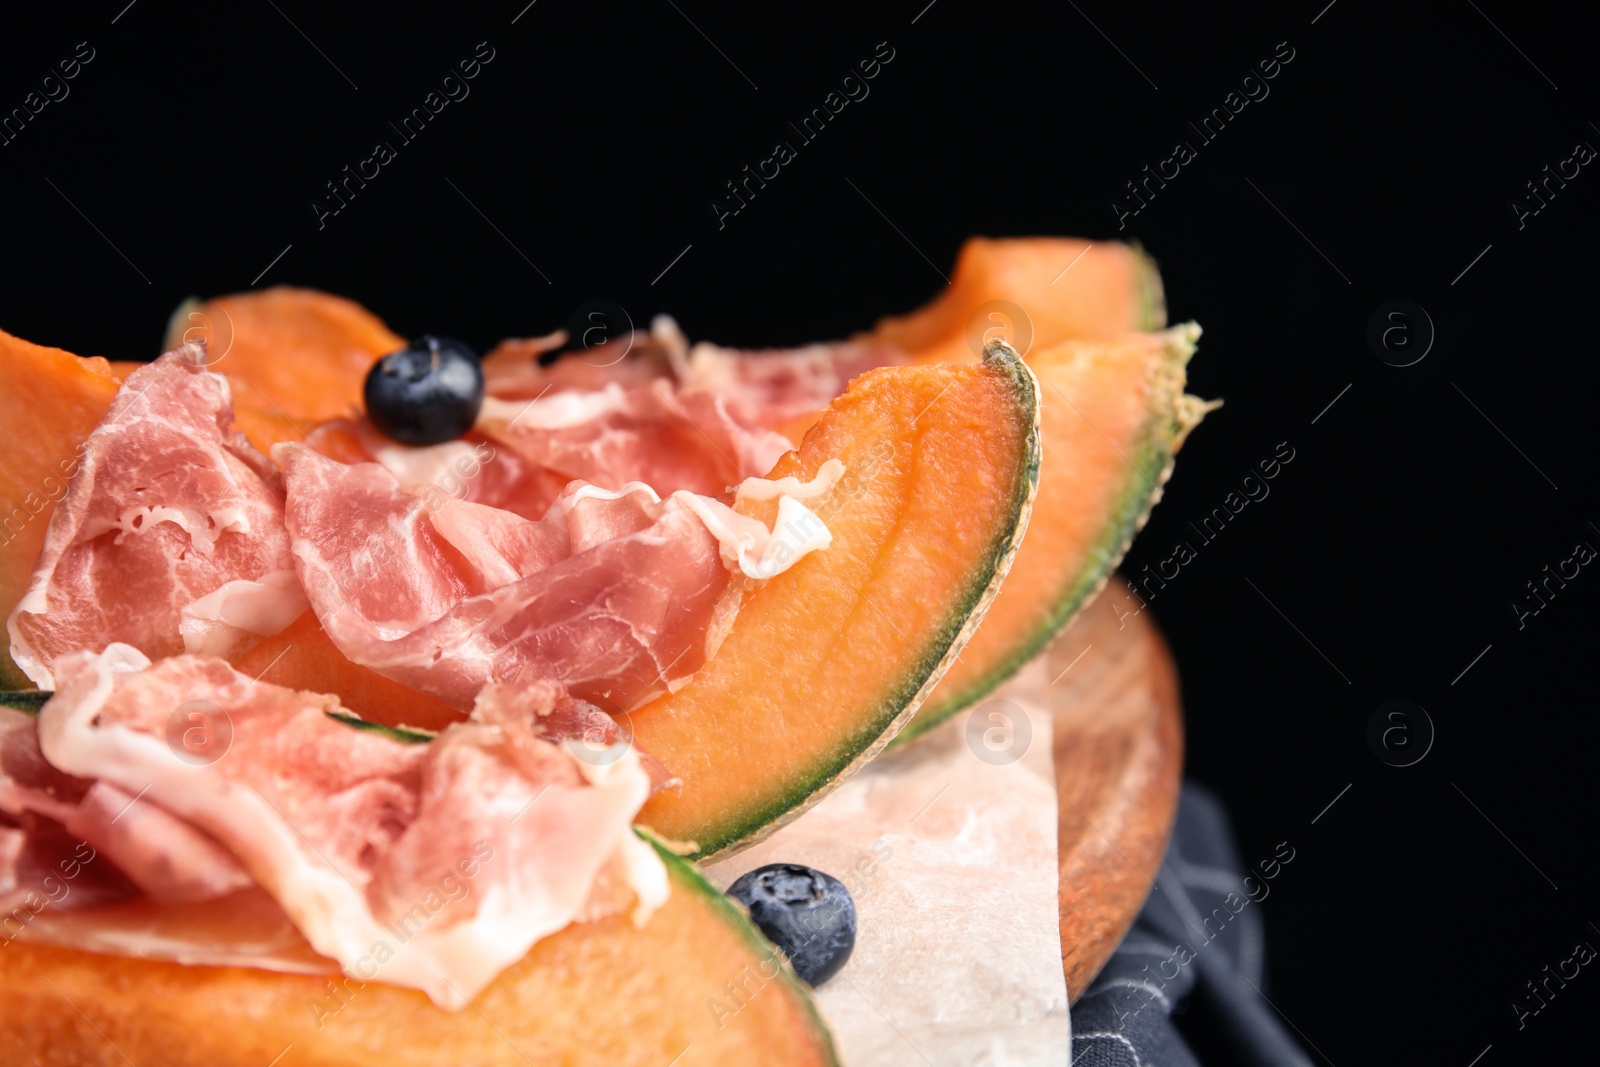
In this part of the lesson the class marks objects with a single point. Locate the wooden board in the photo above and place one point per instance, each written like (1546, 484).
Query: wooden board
(1118, 759)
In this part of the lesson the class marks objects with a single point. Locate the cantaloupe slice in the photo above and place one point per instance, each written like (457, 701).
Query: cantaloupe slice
(828, 660)
(294, 357)
(1064, 287)
(49, 401)
(1114, 415)
(303, 656)
(698, 981)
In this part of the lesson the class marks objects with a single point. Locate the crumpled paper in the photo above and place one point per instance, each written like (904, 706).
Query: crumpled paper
(949, 850)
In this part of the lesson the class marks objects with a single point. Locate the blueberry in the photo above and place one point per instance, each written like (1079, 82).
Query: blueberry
(427, 393)
(808, 914)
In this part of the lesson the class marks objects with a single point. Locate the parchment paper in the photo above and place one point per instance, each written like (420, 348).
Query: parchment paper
(949, 849)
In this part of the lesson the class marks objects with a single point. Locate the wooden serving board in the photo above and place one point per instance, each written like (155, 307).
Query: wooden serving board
(1118, 760)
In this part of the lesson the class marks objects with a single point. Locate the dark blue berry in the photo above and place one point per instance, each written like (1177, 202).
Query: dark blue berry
(808, 914)
(427, 393)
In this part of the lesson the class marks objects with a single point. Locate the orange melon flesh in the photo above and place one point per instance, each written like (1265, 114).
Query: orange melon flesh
(1113, 414)
(49, 401)
(827, 660)
(294, 357)
(53, 399)
(258, 421)
(303, 656)
(600, 993)
(1067, 288)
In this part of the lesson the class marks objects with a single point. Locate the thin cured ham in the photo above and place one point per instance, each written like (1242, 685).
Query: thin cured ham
(170, 537)
(42, 864)
(481, 572)
(433, 866)
(774, 387)
(769, 386)
(700, 419)
(611, 415)
(642, 408)
(653, 433)
(474, 468)
(521, 368)
(612, 594)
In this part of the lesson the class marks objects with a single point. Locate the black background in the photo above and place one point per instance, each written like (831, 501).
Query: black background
(1414, 510)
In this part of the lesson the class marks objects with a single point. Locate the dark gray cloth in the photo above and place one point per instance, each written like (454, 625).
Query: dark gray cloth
(1189, 973)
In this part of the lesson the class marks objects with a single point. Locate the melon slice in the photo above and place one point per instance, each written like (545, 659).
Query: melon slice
(49, 401)
(294, 357)
(303, 656)
(828, 660)
(1064, 288)
(1114, 415)
(697, 976)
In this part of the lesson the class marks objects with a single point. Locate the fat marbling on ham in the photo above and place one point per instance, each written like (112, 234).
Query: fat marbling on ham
(433, 866)
(614, 595)
(170, 537)
(653, 433)
(659, 412)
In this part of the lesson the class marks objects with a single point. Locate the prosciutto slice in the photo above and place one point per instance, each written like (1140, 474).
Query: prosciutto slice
(433, 866)
(654, 433)
(473, 468)
(768, 387)
(76, 843)
(42, 865)
(771, 387)
(170, 536)
(523, 368)
(610, 419)
(642, 408)
(615, 595)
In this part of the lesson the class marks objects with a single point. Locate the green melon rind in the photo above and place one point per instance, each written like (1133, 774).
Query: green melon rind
(1173, 415)
(1152, 294)
(30, 701)
(686, 877)
(897, 707)
(394, 733)
(683, 874)
(27, 701)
